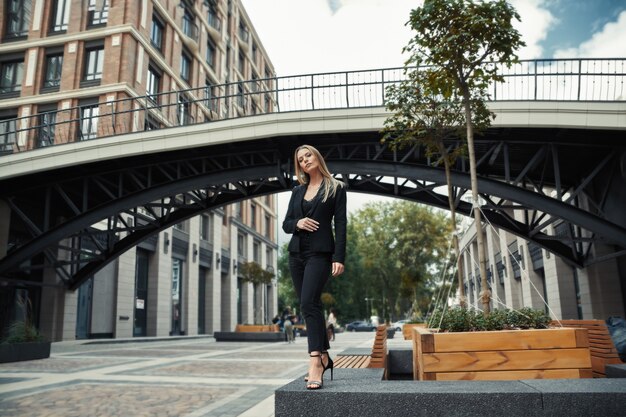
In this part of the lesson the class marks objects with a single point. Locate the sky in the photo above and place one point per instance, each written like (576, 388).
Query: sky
(311, 36)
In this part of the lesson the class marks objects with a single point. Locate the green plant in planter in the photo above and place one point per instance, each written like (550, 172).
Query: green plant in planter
(467, 320)
(23, 332)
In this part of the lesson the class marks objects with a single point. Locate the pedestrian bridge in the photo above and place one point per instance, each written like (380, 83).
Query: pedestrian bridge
(552, 168)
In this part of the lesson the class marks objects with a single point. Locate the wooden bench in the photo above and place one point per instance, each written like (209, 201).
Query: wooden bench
(377, 359)
(257, 328)
(601, 344)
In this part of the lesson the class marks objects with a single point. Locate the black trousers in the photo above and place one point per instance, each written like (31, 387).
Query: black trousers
(310, 272)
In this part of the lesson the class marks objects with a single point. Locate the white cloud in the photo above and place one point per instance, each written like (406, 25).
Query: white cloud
(305, 36)
(609, 42)
(535, 23)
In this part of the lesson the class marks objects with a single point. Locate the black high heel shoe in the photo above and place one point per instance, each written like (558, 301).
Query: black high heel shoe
(328, 366)
(310, 384)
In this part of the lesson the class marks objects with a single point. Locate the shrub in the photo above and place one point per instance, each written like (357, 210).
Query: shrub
(466, 320)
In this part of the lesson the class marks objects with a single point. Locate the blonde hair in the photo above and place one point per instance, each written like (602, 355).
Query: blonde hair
(329, 182)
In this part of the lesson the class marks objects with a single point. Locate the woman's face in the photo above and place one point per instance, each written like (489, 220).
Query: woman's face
(307, 160)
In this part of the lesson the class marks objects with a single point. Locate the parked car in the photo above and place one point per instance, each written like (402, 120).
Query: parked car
(360, 326)
(398, 324)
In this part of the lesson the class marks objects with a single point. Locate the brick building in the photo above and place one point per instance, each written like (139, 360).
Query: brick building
(75, 70)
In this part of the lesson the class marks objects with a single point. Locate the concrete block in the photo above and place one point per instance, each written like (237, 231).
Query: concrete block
(599, 397)
(249, 336)
(616, 370)
(400, 362)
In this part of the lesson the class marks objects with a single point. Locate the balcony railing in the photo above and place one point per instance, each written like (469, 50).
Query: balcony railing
(537, 80)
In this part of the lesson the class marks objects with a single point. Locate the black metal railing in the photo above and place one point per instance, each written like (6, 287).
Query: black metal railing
(535, 80)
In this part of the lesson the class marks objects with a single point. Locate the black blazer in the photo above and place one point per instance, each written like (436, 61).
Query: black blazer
(324, 212)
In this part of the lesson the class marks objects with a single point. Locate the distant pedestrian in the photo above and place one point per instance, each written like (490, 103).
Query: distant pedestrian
(288, 326)
(332, 324)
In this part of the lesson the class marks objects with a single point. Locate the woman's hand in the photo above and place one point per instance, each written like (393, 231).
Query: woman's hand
(338, 268)
(307, 224)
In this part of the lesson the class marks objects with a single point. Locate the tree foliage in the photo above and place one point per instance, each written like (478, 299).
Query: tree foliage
(254, 273)
(455, 56)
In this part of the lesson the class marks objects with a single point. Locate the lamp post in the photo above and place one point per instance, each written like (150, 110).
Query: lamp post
(369, 310)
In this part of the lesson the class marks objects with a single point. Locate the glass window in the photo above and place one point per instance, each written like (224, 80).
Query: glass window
(46, 124)
(240, 64)
(60, 15)
(256, 251)
(253, 215)
(212, 18)
(269, 257)
(237, 211)
(241, 99)
(98, 12)
(150, 124)
(11, 74)
(208, 95)
(210, 54)
(185, 66)
(18, 14)
(153, 87)
(94, 58)
(241, 245)
(156, 33)
(7, 132)
(89, 121)
(206, 232)
(189, 27)
(184, 117)
(54, 65)
(268, 226)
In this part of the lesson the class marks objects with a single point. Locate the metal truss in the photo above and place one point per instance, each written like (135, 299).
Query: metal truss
(76, 220)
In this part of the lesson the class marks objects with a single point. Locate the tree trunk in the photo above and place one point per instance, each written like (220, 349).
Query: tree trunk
(455, 238)
(485, 294)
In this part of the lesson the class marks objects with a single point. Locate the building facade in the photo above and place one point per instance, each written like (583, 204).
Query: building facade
(73, 70)
(522, 274)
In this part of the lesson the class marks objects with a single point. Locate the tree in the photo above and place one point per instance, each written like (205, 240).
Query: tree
(422, 116)
(462, 41)
(254, 273)
(399, 243)
(286, 292)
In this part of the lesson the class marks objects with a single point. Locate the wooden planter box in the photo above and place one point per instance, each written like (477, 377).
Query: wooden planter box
(17, 352)
(257, 328)
(407, 329)
(501, 355)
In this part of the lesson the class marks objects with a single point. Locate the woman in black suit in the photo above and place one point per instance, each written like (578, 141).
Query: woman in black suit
(314, 254)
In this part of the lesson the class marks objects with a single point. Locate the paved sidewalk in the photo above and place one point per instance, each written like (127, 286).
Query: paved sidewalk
(190, 377)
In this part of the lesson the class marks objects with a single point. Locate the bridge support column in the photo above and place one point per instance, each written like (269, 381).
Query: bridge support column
(190, 291)
(160, 290)
(125, 306)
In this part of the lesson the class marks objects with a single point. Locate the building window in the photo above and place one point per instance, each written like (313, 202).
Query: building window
(268, 226)
(156, 32)
(212, 18)
(253, 215)
(269, 257)
(208, 95)
(60, 15)
(182, 226)
(17, 15)
(153, 87)
(241, 98)
(184, 116)
(237, 211)
(94, 58)
(256, 251)
(243, 33)
(185, 66)
(8, 127)
(206, 232)
(241, 245)
(240, 64)
(98, 12)
(54, 65)
(46, 123)
(89, 121)
(11, 74)
(150, 123)
(189, 27)
(210, 54)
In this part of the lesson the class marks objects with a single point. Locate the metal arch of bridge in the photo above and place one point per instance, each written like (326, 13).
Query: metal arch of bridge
(138, 198)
